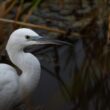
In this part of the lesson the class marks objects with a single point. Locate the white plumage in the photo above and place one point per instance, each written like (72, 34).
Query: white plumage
(14, 88)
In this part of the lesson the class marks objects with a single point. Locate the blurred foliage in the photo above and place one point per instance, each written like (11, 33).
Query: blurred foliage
(90, 84)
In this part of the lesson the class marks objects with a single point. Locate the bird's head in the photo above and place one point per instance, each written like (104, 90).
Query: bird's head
(24, 37)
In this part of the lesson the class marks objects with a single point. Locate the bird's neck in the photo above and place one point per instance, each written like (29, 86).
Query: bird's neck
(30, 67)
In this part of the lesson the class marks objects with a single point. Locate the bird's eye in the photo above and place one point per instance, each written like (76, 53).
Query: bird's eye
(27, 37)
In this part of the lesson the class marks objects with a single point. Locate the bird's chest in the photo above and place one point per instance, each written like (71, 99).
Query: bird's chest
(8, 90)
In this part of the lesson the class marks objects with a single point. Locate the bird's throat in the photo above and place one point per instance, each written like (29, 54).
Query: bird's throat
(30, 67)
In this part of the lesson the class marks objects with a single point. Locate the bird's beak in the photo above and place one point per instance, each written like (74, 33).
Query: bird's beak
(45, 40)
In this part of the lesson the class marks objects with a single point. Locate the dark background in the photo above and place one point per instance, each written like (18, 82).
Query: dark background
(73, 77)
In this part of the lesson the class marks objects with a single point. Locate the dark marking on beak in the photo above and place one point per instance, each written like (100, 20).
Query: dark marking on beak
(45, 40)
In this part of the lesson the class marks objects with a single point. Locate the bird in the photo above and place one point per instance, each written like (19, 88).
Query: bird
(13, 87)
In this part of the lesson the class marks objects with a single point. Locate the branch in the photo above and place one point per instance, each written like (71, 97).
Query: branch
(43, 27)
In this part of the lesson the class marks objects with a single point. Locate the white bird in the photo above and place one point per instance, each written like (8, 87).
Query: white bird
(14, 87)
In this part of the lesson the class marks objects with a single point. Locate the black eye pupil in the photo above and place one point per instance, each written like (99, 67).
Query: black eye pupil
(27, 37)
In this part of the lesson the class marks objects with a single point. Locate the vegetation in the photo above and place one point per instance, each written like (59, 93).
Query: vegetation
(89, 87)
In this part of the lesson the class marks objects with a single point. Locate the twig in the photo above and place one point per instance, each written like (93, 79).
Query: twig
(61, 2)
(43, 27)
(108, 36)
(34, 5)
(9, 8)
